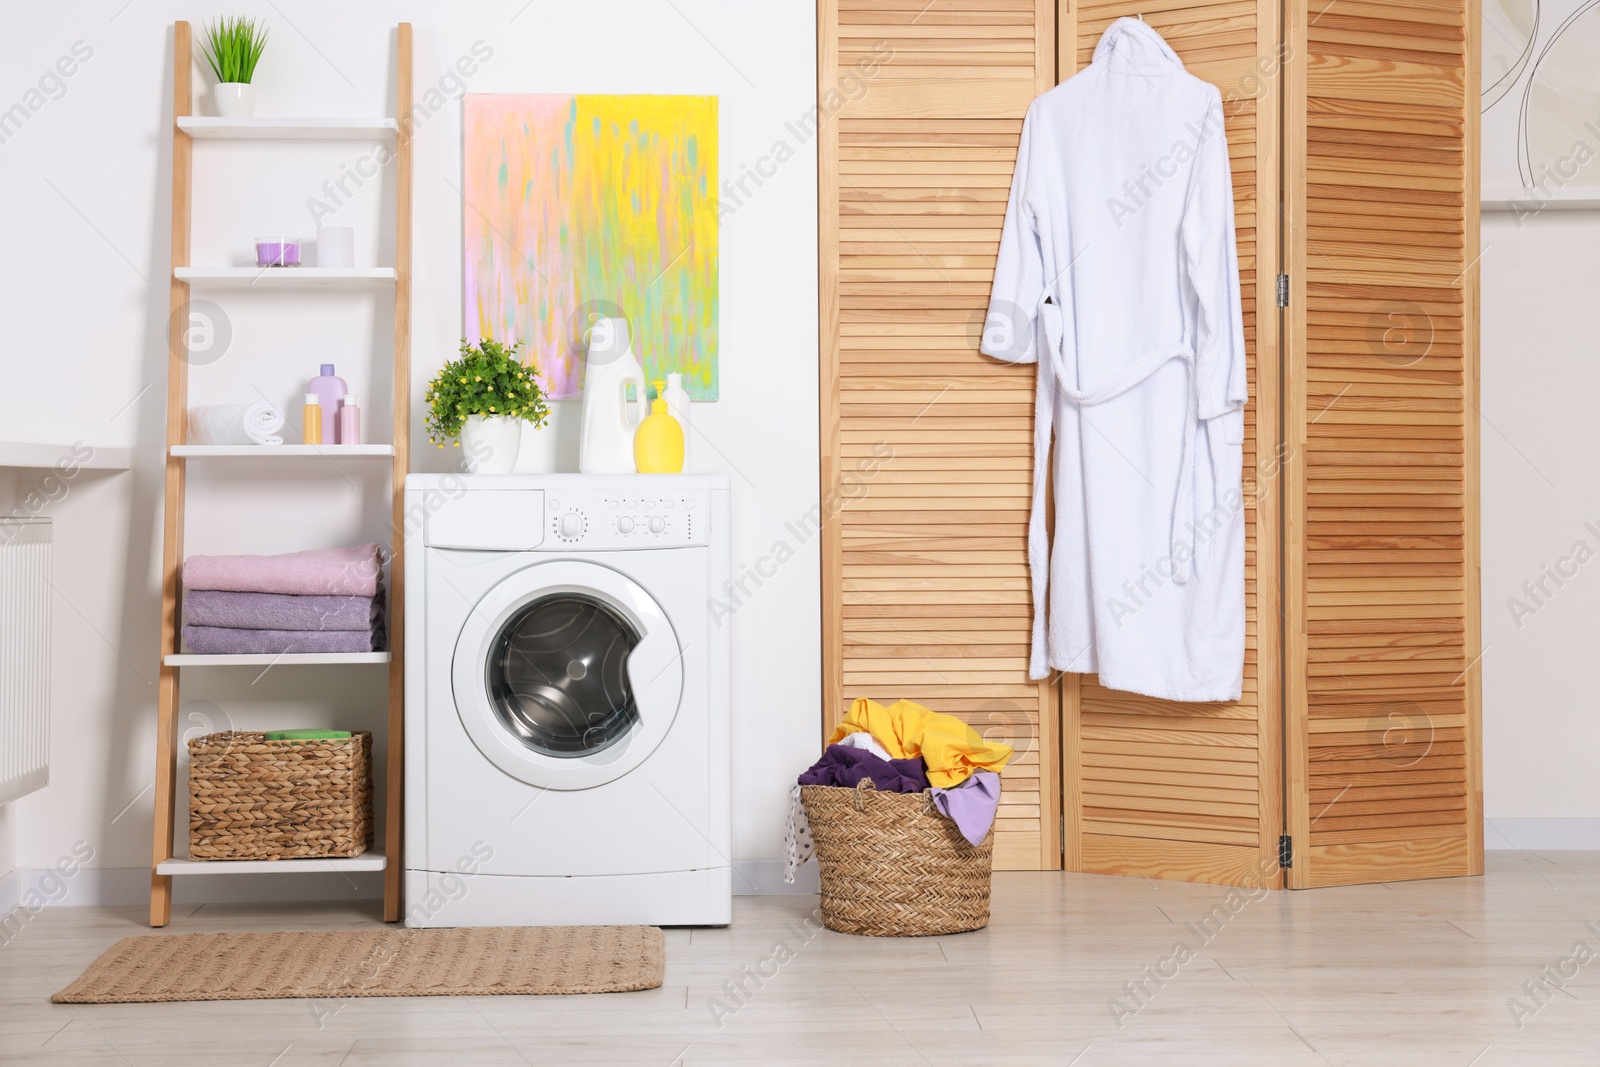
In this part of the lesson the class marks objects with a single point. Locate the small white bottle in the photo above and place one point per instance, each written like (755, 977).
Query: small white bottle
(677, 398)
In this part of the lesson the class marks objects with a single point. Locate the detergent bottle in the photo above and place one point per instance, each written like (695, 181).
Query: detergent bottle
(658, 444)
(609, 417)
(677, 398)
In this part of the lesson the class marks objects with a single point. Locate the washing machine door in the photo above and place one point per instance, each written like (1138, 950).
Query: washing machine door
(567, 674)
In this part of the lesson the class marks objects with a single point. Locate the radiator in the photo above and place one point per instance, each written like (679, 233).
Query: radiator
(24, 656)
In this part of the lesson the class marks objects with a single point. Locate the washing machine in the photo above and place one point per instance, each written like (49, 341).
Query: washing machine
(567, 700)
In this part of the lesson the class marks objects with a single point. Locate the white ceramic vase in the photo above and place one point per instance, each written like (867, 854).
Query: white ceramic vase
(234, 100)
(491, 443)
(552, 448)
(539, 454)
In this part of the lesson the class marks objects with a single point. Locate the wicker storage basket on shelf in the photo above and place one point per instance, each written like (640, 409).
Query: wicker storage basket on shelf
(254, 799)
(893, 866)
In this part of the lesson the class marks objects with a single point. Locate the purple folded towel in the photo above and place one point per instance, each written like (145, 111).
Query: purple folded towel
(316, 572)
(224, 641)
(280, 611)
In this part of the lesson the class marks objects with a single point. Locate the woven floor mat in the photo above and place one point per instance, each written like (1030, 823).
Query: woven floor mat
(484, 961)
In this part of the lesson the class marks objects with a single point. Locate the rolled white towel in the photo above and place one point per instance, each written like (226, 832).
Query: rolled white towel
(235, 424)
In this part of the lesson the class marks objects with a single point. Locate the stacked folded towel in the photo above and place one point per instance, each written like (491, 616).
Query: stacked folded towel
(322, 600)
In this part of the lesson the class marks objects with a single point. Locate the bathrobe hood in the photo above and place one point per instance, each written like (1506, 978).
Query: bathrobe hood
(1130, 47)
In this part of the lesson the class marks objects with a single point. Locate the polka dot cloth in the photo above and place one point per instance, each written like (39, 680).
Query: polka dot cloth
(797, 846)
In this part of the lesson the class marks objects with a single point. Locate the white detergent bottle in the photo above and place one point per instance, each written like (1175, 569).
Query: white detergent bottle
(677, 398)
(609, 417)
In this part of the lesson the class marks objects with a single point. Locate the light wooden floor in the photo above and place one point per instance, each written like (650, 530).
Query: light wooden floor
(1398, 975)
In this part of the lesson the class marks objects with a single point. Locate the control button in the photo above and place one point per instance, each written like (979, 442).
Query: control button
(666, 503)
(649, 503)
(688, 503)
(630, 503)
(624, 525)
(657, 524)
(571, 525)
(611, 503)
(555, 505)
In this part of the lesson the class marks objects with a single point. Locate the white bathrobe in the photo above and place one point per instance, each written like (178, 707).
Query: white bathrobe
(1118, 275)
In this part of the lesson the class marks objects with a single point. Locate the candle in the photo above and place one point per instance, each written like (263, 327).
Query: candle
(336, 246)
(277, 251)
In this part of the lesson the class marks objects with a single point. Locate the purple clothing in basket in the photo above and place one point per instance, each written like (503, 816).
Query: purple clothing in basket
(225, 641)
(841, 765)
(317, 572)
(280, 611)
(971, 805)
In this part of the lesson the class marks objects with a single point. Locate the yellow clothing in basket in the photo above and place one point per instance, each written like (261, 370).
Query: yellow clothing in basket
(951, 749)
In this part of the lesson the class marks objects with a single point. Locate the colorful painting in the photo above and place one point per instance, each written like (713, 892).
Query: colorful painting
(1541, 102)
(584, 207)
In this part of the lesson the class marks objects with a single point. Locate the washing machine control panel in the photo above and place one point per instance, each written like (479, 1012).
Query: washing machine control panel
(597, 519)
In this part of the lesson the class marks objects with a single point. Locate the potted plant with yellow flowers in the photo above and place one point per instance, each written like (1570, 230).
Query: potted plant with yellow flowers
(484, 398)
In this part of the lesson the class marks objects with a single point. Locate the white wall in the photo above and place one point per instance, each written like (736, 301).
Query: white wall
(1541, 486)
(85, 212)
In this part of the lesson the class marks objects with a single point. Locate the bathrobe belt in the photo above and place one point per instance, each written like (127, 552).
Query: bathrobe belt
(1123, 380)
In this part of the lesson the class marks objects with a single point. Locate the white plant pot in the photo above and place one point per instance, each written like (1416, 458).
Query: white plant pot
(491, 443)
(234, 100)
(539, 454)
(552, 448)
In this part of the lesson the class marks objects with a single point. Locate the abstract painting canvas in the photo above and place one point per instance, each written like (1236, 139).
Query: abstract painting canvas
(1541, 102)
(580, 207)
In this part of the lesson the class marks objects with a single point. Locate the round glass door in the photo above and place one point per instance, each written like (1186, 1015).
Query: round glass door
(557, 675)
(567, 674)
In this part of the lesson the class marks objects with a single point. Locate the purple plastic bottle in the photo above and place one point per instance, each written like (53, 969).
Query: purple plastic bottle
(330, 390)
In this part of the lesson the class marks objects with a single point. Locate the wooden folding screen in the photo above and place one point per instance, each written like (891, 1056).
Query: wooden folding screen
(926, 445)
(1160, 788)
(1355, 123)
(1382, 502)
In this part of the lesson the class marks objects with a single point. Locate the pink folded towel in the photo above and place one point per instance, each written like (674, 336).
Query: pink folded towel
(315, 572)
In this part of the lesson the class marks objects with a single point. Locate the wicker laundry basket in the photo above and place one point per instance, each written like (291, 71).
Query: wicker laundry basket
(254, 799)
(893, 865)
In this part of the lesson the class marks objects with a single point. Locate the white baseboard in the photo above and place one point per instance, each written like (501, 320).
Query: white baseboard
(118, 886)
(1547, 835)
(764, 878)
(122, 886)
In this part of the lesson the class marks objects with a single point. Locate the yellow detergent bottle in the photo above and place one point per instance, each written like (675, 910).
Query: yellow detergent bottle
(658, 443)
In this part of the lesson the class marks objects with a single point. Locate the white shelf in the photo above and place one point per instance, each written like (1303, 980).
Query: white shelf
(283, 277)
(40, 456)
(282, 659)
(367, 861)
(287, 129)
(282, 451)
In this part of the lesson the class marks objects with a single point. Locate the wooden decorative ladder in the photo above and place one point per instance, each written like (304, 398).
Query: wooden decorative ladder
(186, 127)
